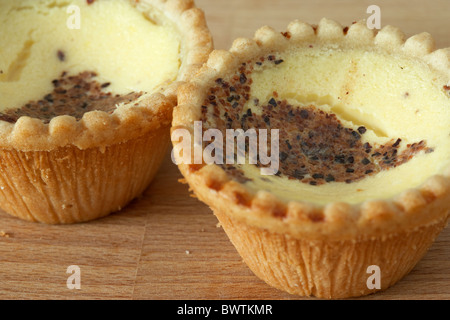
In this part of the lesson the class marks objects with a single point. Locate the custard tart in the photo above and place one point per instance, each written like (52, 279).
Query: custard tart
(354, 170)
(87, 90)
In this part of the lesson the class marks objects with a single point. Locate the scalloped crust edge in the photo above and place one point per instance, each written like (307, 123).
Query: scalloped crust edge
(128, 121)
(410, 210)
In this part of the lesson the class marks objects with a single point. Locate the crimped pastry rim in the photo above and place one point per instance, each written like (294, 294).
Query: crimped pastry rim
(428, 204)
(101, 129)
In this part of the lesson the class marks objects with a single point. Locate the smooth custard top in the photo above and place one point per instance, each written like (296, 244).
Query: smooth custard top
(354, 124)
(129, 49)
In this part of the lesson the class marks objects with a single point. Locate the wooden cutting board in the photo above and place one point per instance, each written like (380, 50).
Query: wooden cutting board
(167, 245)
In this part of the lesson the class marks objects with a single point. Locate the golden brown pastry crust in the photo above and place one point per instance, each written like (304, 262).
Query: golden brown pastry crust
(100, 129)
(69, 185)
(309, 249)
(70, 171)
(324, 268)
(338, 221)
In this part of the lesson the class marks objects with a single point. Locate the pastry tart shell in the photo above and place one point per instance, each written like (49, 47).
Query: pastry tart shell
(304, 248)
(70, 171)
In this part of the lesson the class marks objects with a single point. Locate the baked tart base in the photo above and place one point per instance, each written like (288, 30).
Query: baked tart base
(65, 185)
(315, 230)
(85, 144)
(323, 268)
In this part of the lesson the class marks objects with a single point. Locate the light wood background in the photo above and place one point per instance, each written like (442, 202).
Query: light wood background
(166, 245)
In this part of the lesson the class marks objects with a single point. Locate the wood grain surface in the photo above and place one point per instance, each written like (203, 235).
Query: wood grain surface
(167, 244)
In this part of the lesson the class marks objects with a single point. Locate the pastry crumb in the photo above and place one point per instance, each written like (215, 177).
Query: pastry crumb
(3, 234)
(218, 225)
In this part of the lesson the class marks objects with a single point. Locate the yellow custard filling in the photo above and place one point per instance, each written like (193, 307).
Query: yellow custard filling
(391, 96)
(390, 113)
(132, 49)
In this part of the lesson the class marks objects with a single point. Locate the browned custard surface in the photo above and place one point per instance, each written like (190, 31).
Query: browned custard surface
(71, 95)
(314, 146)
